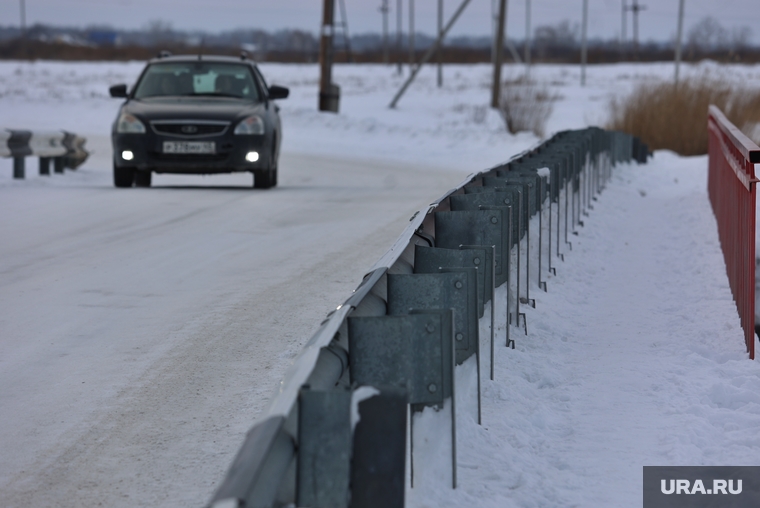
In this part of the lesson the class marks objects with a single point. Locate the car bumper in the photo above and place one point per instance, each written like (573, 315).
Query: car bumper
(148, 155)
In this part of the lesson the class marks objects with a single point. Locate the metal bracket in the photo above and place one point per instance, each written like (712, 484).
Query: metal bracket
(436, 260)
(456, 290)
(474, 227)
(490, 277)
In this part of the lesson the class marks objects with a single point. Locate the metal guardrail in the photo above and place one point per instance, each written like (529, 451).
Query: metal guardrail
(307, 449)
(65, 149)
(731, 185)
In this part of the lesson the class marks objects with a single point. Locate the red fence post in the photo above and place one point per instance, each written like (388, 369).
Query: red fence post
(731, 187)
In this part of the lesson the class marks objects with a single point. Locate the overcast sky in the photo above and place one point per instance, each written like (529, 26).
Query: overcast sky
(657, 22)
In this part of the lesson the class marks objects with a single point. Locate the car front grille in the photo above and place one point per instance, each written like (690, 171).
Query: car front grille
(190, 128)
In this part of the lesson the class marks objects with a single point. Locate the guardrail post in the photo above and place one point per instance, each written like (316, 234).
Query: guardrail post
(58, 164)
(19, 167)
(378, 467)
(45, 166)
(414, 352)
(324, 448)
(435, 260)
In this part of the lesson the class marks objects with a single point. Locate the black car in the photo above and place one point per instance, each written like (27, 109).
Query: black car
(197, 114)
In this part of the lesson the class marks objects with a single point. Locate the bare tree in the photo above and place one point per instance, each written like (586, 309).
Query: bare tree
(708, 34)
(740, 38)
(160, 31)
(552, 38)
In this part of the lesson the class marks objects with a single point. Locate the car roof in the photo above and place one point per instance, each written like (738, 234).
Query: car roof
(202, 58)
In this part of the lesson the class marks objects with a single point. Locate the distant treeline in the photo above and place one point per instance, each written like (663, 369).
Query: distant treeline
(558, 43)
(19, 49)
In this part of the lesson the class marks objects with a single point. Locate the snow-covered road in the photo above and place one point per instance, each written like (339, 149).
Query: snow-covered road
(143, 329)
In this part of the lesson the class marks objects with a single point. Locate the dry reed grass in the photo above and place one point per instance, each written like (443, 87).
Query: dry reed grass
(525, 105)
(672, 117)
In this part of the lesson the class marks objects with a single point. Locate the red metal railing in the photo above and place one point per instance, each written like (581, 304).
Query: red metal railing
(731, 186)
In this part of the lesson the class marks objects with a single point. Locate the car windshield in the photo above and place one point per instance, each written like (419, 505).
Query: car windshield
(197, 78)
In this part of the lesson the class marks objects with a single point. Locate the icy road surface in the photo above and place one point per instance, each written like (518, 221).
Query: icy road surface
(143, 329)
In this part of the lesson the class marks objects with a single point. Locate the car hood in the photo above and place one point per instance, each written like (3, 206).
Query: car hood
(198, 108)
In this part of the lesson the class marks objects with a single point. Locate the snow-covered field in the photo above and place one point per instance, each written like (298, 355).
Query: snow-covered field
(142, 331)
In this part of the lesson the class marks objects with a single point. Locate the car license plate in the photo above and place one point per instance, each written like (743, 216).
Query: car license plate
(189, 147)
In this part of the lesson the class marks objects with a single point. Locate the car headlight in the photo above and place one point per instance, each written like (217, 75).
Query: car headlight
(251, 125)
(129, 124)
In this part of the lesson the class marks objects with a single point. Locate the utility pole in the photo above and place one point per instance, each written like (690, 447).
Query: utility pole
(635, 8)
(346, 37)
(584, 49)
(527, 37)
(329, 93)
(23, 18)
(440, 49)
(625, 24)
(622, 31)
(499, 46)
(678, 38)
(428, 54)
(399, 28)
(494, 24)
(384, 9)
(411, 34)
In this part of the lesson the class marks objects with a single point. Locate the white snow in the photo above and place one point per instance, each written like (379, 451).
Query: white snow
(142, 331)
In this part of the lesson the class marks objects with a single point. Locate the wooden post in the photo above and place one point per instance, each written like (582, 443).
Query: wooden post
(328, 97)
(499, 48)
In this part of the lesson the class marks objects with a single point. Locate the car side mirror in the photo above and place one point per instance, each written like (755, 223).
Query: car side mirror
(118, 91)
(278, 92)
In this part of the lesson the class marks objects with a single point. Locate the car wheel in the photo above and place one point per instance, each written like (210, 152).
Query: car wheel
(262, 178)
(123, 177)
(143, 178)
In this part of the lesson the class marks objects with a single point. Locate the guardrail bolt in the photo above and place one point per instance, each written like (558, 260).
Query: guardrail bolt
(458, 284)
(459, 336)
(432, 388)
